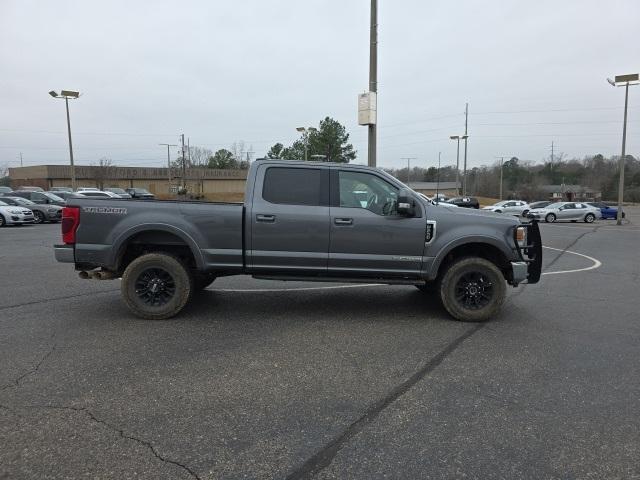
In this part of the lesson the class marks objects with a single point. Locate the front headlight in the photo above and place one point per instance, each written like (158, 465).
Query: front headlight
(52, 210)
(521, 236)
(15, 212)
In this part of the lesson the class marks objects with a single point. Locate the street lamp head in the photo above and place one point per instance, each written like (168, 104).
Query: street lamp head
(628, 79)
(455, 137)
(53, 93)
(69, 93)
(611, 82)
(464, 137)
(300, 129)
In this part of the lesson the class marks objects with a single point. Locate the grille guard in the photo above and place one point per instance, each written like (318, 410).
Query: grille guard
(532, 252)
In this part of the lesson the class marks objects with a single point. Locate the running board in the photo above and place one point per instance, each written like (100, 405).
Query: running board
(296, 278)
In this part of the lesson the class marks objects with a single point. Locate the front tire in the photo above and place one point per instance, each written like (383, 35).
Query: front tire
(472, 289)
(3, 222)
(38, 216)
(589, 218)
(156, 286)
(550, 218)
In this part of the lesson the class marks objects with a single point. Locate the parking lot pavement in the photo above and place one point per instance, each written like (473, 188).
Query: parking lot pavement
(274, 380)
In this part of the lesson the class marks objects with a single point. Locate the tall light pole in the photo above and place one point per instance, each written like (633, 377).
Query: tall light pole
(623, 81)
(304, 131)
(68, 94)
(168, 145)
(457, 138)
(373, 77)
(438, 180)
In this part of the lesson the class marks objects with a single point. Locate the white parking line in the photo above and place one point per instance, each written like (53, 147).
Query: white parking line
(596, 263)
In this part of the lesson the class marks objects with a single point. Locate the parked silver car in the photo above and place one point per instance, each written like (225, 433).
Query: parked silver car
(10, 215)
(512, 207)
(41, 212)
(566, 211)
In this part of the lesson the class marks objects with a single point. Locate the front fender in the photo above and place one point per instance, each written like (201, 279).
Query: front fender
(498, 243)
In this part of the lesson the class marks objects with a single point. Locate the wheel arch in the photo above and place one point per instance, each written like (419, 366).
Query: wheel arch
(484, 247)
(155, 237)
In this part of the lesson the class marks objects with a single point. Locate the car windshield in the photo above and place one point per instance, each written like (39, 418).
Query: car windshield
(23, 201)
(2, 204)
(500, 204)
(53, 197)
(115, 190)
(141, 190)
(555, 205)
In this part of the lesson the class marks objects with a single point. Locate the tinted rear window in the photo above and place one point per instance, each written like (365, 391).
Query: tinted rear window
(292, 186)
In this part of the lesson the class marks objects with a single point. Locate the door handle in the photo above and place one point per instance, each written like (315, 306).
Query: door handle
(265, 218)
(343, 221)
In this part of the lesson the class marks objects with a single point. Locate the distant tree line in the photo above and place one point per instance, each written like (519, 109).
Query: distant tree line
(524, 179)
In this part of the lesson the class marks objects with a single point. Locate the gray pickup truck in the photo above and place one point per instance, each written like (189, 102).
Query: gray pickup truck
(302, 221)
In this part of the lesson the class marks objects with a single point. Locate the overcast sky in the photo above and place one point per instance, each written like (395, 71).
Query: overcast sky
(223, 71)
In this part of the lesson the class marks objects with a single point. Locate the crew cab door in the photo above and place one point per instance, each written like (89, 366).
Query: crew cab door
(289, 219)
(368, 238)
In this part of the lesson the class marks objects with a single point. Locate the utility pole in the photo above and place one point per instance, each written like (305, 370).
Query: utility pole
(67, 94)
(501, 170)
(373, 77)
(438, 180)
(466, 136)
(168, 145)
(408, 159)
(184, 166)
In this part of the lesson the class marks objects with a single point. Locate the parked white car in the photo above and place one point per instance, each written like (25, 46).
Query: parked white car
(566, 211)
(512, 207)
(13, 215)
(97, 194)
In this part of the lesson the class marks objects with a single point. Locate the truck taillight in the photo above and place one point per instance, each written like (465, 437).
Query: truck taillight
(70, 222)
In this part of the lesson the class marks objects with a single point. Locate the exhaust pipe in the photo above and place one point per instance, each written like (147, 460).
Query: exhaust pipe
(97, 275)
(104, 275)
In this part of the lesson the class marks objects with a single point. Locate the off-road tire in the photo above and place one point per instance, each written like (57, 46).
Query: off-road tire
(156, 262)
(550, 218)
(589, 218)
(3, 222)
(455, 275)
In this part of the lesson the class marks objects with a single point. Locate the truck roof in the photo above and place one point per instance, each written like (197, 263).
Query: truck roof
(310, 162)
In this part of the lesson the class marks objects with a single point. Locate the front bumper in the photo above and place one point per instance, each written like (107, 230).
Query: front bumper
(64, 253)
(19, 218)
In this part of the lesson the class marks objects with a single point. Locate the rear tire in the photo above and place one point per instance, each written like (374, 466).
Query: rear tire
(550, 218)
(472, 289)
(156, 286)
(3, 222)
(589, 218)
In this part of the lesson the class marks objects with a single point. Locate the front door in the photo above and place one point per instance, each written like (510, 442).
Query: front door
(368, 238)
(289, 220)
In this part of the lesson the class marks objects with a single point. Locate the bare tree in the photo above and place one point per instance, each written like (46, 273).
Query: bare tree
(102, 171)
(4, 174)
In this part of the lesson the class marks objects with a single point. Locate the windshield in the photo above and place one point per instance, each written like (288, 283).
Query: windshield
(141, 190)
(23, 201)
(2, 204)
(115, 190)
(500, 204)
(53, 197)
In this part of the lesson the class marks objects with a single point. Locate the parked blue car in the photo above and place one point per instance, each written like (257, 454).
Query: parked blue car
(606, 210)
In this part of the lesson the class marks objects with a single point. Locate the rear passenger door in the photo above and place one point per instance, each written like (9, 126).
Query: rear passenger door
(289, 219)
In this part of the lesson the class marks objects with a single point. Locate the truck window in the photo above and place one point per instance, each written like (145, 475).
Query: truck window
(292, 186)
(365, 190)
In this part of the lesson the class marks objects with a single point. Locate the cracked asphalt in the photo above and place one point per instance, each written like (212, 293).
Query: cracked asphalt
(356, 383)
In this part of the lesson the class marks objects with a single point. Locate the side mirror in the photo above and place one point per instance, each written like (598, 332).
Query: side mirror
(406, 203)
